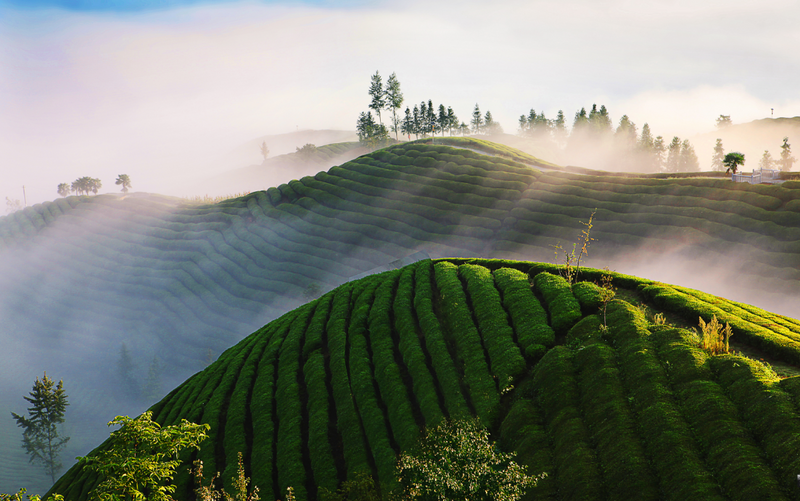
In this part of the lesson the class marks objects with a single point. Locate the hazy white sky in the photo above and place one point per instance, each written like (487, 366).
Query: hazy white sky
(158, 94)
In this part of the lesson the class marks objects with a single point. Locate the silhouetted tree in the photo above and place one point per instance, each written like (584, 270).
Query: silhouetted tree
(766, 162)
(787, 160)
(376, 93)
(370, 133)
(560, 128)
(124, 181)
(40, 436)
(264, 150)
(64, 189)
(477, 120)
(719, 155)
(724, 121)
(659, 151)
(125, 373)
(688, 159)
(152, 385)
(407, 127)
(306, 151)
(673, 155)
(452, 120)
(394, 100)
(490, 126)
(626, 133)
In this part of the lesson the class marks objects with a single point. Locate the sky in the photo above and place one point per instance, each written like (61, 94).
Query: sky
(163, 90)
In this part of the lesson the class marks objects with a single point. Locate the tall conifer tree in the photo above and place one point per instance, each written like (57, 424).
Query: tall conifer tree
(40, 436)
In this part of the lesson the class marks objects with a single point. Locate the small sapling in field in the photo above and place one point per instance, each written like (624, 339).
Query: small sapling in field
(713, 337)
(572, 260)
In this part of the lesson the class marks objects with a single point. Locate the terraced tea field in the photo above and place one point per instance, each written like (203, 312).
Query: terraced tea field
(344, 383)
(182, 282)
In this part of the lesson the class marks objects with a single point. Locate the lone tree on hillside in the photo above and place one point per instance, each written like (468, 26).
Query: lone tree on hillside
(787, 160)
(64, 189)
(732, 161)
(394, 100)
(124, 181)
(724, 121)
(456, 461)
(719, 156)
(40, 436)
(264, 150)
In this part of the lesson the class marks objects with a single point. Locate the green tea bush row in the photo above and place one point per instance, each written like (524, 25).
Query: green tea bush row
(668, 439)
(564, 309)
(388, 375)
(689, 307)
(291, 470)
(467, 340)
(408, 332)
(612, 426)
(376, 428)
(528, 316)
(589, 296)
(263, 415)
(435, 344)
(767, 410)
(348, 421)
(577, 471)
(727, 446)
(319, 418)
(498, 337)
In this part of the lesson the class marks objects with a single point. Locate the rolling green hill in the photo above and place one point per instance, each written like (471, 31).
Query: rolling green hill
(178, 283)
(344, 383)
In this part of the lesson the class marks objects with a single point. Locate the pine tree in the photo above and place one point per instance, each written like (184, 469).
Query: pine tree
(152, 386)
(423, 118)
(40, 436)
(430, 118)
(688, 159)
(659, 150)
(394, 100)
(477, 120)
(488, 123)
(787, 160)
(442, 120)
(673, 155)
(626, 133)
(581, 120)
(417, 122)
(376, 93)
(766, 162)
(724, 121)
(407, 127)
(560, 128)
(523, 125)
(452, 120)
(125, 369)
(646, 139)
(719, 156)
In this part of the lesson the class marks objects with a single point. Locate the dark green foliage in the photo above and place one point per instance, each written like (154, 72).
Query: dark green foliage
(469, 348)
(498, 337)
(561, 303)
(577, 472)
(588, 295)
(612, 426)
(528, 317)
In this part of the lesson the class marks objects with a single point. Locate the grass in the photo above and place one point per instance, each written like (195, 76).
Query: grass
(362, 369)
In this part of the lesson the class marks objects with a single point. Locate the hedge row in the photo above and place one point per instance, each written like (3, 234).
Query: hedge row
(768, 411)
(368, 400)
(667, 437)
(612, 426)
(528, 317)
(729, 451)
(564, 309)
(577, 471)
(435, 344)
(463, 334)
(409, 337)
(400, 405)
(493, 324)
(690, 307)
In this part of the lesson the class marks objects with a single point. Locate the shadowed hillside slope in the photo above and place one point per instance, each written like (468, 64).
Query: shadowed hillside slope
(177, 283)
(342, 384)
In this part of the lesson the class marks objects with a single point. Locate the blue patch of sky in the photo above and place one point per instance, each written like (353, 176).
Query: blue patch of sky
(123, 6)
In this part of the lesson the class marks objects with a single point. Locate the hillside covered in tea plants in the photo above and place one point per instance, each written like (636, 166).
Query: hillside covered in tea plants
(93, 285)
(618, 402)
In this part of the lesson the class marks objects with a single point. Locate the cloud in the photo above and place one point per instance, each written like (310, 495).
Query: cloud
(161, 94)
